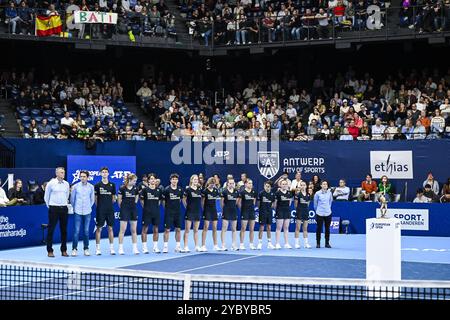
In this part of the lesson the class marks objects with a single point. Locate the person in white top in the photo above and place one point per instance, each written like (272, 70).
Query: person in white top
(4, 201)
(420, 198)
(445, 108)
(290, 111)
(437, 122)
(342, 192)
(378, 130)
(108, 110)
(67, 120)
(295, 184)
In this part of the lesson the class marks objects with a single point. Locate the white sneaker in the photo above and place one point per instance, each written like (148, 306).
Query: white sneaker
(287, 246)
(235, 248)
(98, 252)
(121, 252)
(87, 253)
(270, 246)
(252, 246)
(307, 246)
(178, 249)
(74, 252)
(198, 249)
(242, 247)
(277, 246)
(224, 248)
(165, 250)
(259, 247)
(297, 246)
(216, 248)
(203, 249)
(186, 250)
(145, 250)
(111, 251)
(156, 250)
(135, 251)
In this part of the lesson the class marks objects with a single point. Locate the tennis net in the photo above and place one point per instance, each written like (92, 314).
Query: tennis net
(42, 281)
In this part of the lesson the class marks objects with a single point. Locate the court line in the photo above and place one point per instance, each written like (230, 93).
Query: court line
(218, 264)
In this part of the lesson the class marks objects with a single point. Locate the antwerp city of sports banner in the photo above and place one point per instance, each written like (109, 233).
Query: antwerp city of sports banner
(95, 17)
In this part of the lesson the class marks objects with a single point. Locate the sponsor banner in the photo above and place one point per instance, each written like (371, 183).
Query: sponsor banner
(118, 166)
(95, 17)
(393, 164)
(410, 219)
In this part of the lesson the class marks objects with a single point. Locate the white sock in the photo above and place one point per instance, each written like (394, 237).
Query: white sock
(111, 246)
(305, 240)
(97, 246)
(134, 246)
(269, 240)
(144, 245)
(297, 241)
(260, 241)
(178, 245)
(155, 245)
(166, 244)
(120, 246)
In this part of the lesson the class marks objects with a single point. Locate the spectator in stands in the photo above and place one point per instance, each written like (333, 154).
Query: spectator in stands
(368, 189)
(365, 132)
(345, 136)
(408, 129)
(12, 17)
(316, 181)
(419, 131)
(420, 198)
(4, 201)
(67, 121)
(429, 193)
(144, 93)
(446, 192)
(437, 123)
(342, 192)
(445, 106)
(295, 184)
(378, 130)
(108, 110)
(16, 193)
(63, 134)
(385, 188)
(38, 195)
(45, 130)
(353, 130)
(432, 182)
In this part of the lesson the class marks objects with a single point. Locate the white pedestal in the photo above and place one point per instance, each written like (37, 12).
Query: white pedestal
(383, 254)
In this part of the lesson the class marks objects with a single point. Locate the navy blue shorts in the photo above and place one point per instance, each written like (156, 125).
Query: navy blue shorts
(192, 216)
(283, 213)
(128, 215)
(172, 219)
(248, 214)
(102, 216)
(230, 214)
(265, 218)
(302, 213)
(210, 215)
(149, 217)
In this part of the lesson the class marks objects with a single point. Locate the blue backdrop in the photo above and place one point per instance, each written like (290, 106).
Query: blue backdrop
(330, 159)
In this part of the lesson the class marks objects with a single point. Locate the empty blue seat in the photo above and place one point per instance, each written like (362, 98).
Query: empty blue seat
(55, 128)
(26, 126)
(59, 115)
(134, 123)
(129, 116)
(35, 113)
(73, 114)
(22, 112)
(123, 123)
(51, 120)
(25, 119)
(84, 114)
(47, 113)
(38, 119)
(88, 121)
(124, 109)
(119, 103)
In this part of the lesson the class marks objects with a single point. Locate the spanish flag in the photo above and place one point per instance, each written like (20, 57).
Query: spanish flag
(46, 26)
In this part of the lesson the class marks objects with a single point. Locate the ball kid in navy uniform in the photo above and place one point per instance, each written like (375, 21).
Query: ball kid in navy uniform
(127, 199)
(192, 200)
(229, 213)
(302, 200)
(246, 203)
(172, 212)
(105, 196)
(283, 213)
(210, 195)
(266, 204)
(151, 197)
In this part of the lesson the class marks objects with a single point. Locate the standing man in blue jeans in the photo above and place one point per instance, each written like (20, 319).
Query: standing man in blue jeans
(56, 198)
(322, 205)
(82, 199)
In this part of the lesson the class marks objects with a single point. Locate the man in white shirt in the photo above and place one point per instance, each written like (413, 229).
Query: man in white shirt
(290, 111)
(342, 192)
(420, 198)
(144, 93)
(445, 108)
(108, 110)
(80, 101)
(296, 182)
(67, 120)
(378, 130)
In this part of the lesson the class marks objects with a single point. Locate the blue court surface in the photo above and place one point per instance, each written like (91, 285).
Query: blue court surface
(423, 258)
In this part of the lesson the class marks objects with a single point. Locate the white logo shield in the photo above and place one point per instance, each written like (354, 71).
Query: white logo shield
(268, 163)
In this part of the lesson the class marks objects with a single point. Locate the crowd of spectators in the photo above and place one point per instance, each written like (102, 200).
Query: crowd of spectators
(245, 22)
(140, 17)
(344, 106)
(68, 107)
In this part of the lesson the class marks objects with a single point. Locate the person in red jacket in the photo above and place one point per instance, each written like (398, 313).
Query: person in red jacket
(353, 130)
(369, 188)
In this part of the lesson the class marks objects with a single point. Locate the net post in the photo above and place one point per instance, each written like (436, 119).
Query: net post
(187, 287)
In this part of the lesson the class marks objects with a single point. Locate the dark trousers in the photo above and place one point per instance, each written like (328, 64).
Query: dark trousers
(320, 220)
(55, 214)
